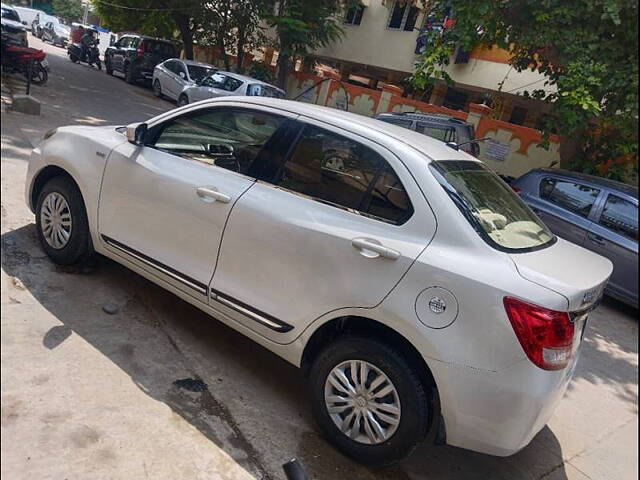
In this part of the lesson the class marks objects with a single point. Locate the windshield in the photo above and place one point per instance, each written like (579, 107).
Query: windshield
(198, 72)
(260, 90)
(494, 210)
(10, 14)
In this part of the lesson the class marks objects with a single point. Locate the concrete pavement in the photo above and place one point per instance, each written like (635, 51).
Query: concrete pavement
(87, 395)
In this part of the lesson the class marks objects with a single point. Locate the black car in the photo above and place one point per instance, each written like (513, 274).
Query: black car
(135, 56)
(442, 127)
(56, 33)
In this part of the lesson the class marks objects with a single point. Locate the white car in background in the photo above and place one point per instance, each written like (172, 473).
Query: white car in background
(225, 84)
(172, 76)
(420, 295)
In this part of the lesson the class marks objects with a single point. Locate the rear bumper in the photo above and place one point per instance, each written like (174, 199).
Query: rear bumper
(497, 413)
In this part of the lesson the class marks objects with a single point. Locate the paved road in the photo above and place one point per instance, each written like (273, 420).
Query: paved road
(86, 395)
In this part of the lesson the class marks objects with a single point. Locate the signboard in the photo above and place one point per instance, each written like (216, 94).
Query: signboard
(496, 151)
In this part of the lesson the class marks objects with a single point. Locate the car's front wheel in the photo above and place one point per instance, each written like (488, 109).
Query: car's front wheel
(61, 222)
(183, 100)
(368, 400)
(128, 74)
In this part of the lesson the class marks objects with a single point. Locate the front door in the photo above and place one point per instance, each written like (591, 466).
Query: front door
(332, 228)
(164, 205)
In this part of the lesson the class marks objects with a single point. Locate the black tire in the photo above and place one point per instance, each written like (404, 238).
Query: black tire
(128, 74)
(107, 67)
(78, 247)
(39, 75)
(414, 404)
(183, 100)
(99, 64)
(73, 58)
(157, 88)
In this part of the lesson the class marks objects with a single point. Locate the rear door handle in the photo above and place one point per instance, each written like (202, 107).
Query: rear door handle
(368, 247)
(211, 194)
(597, 240)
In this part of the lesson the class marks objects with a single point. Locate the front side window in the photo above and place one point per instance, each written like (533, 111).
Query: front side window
(570, 195)
(492, 208)
(354, 15)
(403, 16)
(10, 14)
(230, 139)
(341, 172)
(621, 216)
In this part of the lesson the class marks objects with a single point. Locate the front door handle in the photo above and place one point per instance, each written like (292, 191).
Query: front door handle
(372, 249)
(597, 240)
(211, 194)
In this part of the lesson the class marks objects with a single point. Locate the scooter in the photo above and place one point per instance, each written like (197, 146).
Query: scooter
(23, 60)
(74, 50)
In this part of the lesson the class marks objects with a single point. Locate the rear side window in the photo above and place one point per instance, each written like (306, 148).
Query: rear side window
(620, 216)
(259, 90)
(162, 48)
(570, 195)
(341, 172)
(446, 134)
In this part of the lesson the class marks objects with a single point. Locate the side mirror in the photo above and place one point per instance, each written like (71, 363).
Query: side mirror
(182, 75)
(136, 133)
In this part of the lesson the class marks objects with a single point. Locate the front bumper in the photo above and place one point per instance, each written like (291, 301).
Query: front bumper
(497, 413)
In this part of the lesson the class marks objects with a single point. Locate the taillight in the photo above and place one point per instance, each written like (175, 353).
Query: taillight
(140, 50)
(515, 189)
(546, 335)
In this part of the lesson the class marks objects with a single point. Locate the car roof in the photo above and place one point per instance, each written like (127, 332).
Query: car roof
(194, 62)
(592, 179)
(430, 147)
(246, 78)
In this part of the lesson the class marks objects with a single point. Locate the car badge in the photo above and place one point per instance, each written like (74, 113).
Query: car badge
(437, 305)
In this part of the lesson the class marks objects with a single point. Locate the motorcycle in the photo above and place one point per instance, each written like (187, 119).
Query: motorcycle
(16, 58)
(92, 56)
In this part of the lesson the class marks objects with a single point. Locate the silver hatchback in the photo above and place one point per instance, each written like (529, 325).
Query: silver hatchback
(595, 213)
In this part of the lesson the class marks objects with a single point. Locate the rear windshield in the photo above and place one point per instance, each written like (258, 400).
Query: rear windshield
(259, 90)
(162, 48)
(493, 209)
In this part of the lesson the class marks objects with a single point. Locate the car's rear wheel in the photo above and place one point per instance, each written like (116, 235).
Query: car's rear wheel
(61, 222)
(183, 100)
(368, 400)
(157, 88)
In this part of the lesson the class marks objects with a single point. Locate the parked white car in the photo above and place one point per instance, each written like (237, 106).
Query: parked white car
(172, 76)
(225, 84)
(414, 287)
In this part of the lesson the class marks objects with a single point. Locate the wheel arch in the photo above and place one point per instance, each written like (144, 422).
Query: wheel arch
(42, 177)
(359, 325)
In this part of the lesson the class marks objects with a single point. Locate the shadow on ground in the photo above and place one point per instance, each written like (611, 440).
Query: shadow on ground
(144, 340)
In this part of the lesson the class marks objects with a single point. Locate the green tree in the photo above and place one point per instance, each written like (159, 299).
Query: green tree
(68, 10)
(586, 49)
(302, 26)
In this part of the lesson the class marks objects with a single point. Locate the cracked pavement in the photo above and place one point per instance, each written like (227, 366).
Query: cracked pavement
(160, 390)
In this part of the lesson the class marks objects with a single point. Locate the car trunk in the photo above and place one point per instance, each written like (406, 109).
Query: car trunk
(570, 270)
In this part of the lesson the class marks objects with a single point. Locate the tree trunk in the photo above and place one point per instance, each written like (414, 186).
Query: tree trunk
(182, 22)
(240, 51)
(284, 62)
(223, 52)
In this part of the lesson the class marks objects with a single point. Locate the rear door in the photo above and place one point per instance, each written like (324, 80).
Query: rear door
(565, 205)
(155, 51)
(614, 234)
(117, 57)
(335, 226)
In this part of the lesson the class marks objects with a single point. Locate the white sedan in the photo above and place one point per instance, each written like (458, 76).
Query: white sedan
(420, 295)
(172, 76)
(225, 84)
